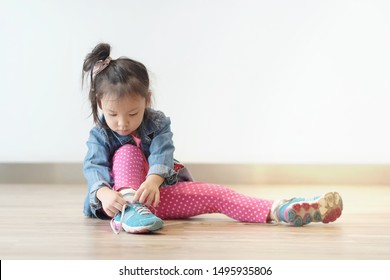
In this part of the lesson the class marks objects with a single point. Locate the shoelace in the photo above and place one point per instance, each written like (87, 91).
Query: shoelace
(141, 209)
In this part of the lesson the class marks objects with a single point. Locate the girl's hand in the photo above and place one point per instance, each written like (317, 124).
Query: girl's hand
(149, 191)
(112, 201)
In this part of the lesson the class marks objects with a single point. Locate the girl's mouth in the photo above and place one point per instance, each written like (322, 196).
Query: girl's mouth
(124, 132)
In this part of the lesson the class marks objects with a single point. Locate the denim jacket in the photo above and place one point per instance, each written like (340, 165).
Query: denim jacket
(156, 144)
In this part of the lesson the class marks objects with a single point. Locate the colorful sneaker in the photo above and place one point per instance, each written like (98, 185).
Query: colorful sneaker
(302, 211)
(135, 217)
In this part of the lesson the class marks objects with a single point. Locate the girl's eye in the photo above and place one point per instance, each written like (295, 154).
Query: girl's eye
(132, 115)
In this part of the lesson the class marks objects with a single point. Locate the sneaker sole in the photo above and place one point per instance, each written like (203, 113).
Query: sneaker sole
(157, 225)
(326, 208)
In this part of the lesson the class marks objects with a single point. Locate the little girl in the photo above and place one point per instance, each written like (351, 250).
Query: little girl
(132, 176)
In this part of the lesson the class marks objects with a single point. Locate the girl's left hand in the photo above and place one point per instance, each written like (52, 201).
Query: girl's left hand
(149, 191)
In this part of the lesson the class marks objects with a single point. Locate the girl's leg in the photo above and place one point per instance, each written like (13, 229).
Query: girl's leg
(188, 199)
(129, 168)
(129, 172)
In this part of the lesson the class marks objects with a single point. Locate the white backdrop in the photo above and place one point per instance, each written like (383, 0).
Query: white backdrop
(243, 81)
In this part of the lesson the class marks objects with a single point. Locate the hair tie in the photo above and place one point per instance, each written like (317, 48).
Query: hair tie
(100, 66)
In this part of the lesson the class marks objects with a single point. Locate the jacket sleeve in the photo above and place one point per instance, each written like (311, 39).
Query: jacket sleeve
(97, 168)
(161, 153)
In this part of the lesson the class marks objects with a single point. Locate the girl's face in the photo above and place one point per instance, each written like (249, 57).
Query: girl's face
(123, 115)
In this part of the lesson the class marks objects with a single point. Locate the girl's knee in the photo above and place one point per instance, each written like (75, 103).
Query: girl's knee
(127, 151)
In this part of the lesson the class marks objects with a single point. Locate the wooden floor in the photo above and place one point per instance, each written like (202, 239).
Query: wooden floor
(46, 222)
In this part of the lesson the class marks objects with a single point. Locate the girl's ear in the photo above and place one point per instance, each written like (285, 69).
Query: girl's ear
(99, 103)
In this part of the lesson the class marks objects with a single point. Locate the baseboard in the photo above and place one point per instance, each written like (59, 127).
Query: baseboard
(41, 173)
(345, 174)
(71, 173)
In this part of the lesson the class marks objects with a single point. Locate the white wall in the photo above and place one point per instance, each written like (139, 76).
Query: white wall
(243, 81)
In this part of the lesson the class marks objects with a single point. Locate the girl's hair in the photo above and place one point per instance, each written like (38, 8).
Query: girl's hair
(118, 78)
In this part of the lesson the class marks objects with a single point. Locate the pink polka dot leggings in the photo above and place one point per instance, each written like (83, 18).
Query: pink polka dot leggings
(187, 199)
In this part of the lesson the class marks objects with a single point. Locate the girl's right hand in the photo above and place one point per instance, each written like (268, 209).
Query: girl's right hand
(112, 201)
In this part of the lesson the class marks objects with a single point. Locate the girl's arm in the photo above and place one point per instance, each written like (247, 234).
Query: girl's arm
(97, 168)
(160, 162)
(161, 152)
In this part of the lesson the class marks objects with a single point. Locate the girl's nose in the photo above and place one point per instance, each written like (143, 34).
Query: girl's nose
(122, 122)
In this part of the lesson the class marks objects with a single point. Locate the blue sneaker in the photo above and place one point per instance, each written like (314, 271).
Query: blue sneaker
(136, 218)
(302, 211)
